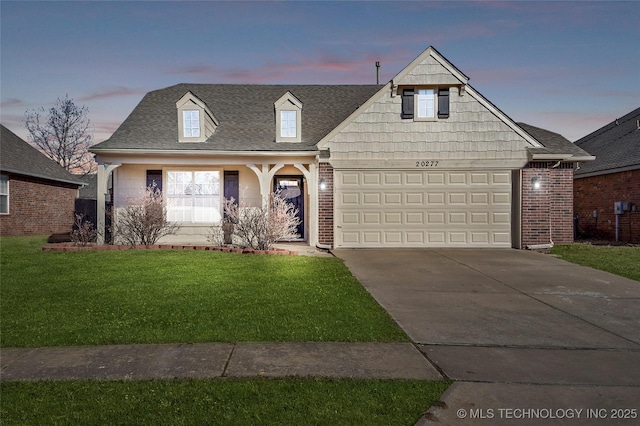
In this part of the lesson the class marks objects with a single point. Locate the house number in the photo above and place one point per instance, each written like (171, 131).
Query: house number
(427, 163)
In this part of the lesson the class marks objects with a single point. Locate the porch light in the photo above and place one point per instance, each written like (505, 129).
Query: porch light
(535, 182)
(323, 184)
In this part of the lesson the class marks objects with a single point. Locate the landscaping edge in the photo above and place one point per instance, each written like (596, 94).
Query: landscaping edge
(109, 247)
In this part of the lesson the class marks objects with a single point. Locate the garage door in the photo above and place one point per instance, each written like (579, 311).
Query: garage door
(419, 208)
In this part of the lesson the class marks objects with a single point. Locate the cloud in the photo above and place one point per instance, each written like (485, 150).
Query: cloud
(115, 92)
(12, 102)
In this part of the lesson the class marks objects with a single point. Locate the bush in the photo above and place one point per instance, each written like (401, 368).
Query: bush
(144, 220)
(260, 227)
(84, 232)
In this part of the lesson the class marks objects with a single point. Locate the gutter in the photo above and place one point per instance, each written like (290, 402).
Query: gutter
(35, 175)
(171, 152)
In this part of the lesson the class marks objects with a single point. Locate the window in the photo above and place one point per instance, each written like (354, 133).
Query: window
(4, 194)
(193, 196)
(288, 124)
(191, 123)
(425, 103)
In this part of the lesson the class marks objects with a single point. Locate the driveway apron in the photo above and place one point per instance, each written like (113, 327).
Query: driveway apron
(511, 317)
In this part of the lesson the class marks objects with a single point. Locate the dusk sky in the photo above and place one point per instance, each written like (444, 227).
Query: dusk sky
(569, 67)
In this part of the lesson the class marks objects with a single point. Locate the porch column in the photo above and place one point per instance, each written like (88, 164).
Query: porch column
(265, 177)
(103, 178)
(312, 189)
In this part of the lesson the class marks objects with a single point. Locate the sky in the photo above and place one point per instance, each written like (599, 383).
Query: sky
(568, 67)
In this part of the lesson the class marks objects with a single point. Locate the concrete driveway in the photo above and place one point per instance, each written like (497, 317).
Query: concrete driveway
(511, 319)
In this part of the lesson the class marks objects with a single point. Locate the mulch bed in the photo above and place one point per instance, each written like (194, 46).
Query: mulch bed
(106, 247)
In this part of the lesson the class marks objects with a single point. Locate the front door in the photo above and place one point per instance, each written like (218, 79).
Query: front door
(291, 189)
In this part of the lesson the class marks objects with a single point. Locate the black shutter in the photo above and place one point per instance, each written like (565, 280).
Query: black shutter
(154, 177)
(443, 103)
(407, 103)
(231, 185)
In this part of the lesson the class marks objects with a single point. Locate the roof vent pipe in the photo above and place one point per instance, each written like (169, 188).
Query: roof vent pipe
(377, 72)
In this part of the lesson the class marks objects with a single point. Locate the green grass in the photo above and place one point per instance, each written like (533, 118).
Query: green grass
(167, 296)
(619, 260)
(227, 402)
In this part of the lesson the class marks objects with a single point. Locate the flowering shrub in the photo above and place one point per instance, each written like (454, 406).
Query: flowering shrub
(144, 220)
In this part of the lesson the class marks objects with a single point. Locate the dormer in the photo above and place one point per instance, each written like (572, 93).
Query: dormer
(288, 110)
(196, 122)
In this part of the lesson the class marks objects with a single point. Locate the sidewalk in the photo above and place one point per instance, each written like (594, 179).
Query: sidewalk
(214, 360)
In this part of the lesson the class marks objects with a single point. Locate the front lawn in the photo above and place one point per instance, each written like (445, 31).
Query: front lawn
(167, 296)
(619, 260)
(223, 402)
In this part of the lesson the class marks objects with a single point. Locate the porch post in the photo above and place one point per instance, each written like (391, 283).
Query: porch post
(103, 178)
(265, 177)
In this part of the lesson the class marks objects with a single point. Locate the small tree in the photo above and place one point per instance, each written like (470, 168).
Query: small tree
(144, 220)
(63, 134)
(260, 227)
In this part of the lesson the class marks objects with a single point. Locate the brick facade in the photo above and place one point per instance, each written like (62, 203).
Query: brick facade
(600, 193)
(325, 206)
(547, 212)
(38, 207)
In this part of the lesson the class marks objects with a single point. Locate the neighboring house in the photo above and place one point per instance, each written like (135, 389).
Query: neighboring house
(614, 176)
(37, 195)
(422, 161)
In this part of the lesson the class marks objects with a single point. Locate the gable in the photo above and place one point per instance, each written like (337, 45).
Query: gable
(474, 129)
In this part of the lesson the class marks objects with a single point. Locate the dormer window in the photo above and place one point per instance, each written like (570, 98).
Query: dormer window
(191, 123)
(288, 111)
(196, 122)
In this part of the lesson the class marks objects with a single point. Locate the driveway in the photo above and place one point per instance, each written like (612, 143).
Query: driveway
(511, 319)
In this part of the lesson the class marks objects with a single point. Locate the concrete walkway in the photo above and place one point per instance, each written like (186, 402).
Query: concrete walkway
(212, 360)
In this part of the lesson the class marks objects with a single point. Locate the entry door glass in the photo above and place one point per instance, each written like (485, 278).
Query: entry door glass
(291, 189)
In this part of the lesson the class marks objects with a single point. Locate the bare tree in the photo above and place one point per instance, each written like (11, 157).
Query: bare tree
(63, 134)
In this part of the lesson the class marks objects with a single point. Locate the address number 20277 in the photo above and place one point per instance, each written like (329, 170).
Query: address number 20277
(427, 163)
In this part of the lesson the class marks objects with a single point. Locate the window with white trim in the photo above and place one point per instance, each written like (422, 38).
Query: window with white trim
(191, 123)
(288, 124)
(193, 196)
(426, 104)
(4, 194)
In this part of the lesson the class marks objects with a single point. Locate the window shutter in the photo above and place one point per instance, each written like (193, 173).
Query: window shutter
(443, 103)
(154, 176)
(407, 103)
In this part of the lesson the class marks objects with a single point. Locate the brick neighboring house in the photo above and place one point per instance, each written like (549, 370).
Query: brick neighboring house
(37, 195)
(614, 176)
(422, 161)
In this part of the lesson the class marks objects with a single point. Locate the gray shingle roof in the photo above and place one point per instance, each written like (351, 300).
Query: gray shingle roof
(17, 156)
(245, 113)
(616, 145)
(554, 143)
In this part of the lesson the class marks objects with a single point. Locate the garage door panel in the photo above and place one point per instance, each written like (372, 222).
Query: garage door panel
(416, 208)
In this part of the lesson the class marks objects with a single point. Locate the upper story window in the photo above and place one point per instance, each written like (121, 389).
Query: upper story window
(425, 103)
(288, 124)
(288, 111)
(191, 123)
(196, 122)
(4, 194)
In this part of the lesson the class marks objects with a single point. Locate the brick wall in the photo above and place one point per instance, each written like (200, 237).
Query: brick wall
(547, 212)
(600, 193)
(325, 206)
(38, 207)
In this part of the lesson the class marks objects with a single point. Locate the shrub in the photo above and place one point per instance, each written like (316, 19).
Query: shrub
(260, 227)
(144, 220)
(83, 231)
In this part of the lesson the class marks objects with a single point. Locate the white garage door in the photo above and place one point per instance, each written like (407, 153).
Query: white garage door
(420, 208)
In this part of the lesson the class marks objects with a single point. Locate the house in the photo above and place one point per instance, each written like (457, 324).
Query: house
(613, 177)
(422, 161)
(37, 195)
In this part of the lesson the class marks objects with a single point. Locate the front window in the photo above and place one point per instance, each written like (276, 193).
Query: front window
(193, 196)
(191, 123)
(426, 103)
(4, 194)
(288, 124)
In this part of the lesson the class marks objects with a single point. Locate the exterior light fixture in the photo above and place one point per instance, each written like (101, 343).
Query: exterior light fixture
(323, 184)
(536, 182)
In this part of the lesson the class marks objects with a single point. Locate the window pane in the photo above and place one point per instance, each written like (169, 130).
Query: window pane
(193, 196)
(426, 103)
(191, 123)
(4, 204)
(288, 124)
